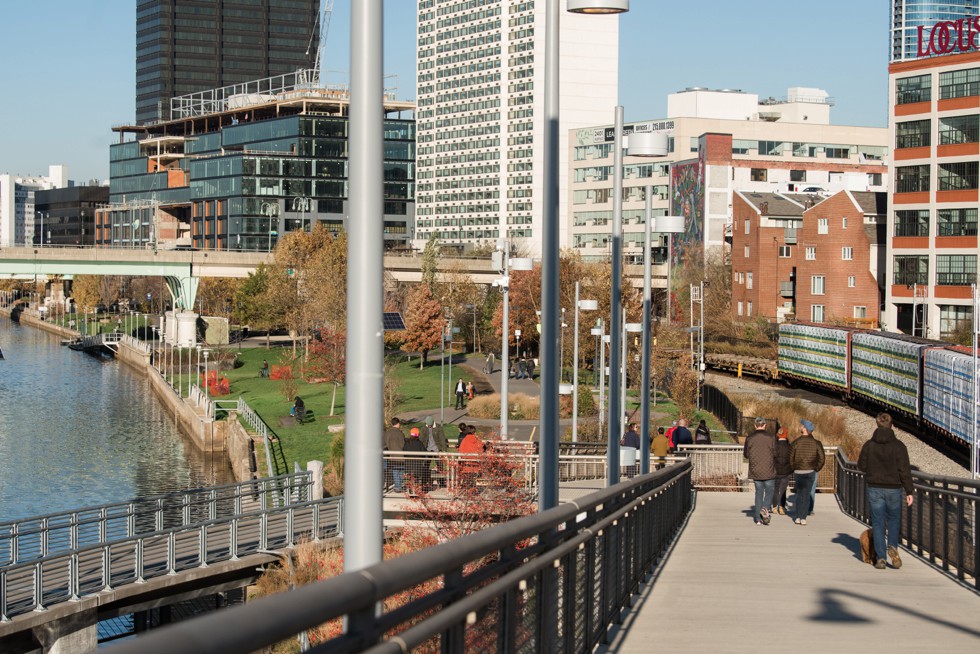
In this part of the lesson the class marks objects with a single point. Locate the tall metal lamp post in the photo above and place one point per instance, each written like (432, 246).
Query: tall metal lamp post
(504, 264)
(270, 210)
(584, 305)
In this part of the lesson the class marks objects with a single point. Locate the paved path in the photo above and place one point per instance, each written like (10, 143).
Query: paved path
(732, 586)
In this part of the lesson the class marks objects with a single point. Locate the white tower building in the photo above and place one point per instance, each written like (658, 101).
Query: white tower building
(17, 214)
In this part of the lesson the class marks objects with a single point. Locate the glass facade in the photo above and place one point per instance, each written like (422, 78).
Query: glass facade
(908, 15)
(244, 185)
(186, 46)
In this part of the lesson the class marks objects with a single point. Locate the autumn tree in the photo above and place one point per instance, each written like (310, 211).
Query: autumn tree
(423, 322)
(253, 304)
(430, 263)
(328, 361)
(85, 292)
(216, 296)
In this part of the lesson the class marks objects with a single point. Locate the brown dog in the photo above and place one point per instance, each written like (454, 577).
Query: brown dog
(868, 554)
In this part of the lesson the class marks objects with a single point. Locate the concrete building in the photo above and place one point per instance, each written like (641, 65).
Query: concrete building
(66, 216)
(190, 46)
(719, 142)
(804, 256)
(17, 203)
(250, 170)
(935, 128)
(480, 113)
(909, 16)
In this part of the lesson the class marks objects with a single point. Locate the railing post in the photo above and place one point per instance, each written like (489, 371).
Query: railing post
(73, 581)
(3, 596)
(171, 553)
(202, 544)
(44, 537)
(39, 587)
(139, 560)
(107, 567)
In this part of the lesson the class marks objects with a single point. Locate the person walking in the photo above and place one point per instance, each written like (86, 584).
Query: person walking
(784, 468)
(807, 458)
(631, 438)
(702, 435)
(760, 450)
(394, 441)
(435, 436)
(470, 390)
(682, 435)
(884, 460)
(661, 448)
(460, 394)
(419, 468)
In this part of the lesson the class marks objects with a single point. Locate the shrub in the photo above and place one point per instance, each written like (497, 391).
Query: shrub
(485, 406)
(522, 407)
(277, 373)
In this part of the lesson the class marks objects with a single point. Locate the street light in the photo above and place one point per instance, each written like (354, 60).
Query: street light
(584, 305)
(207, 353)
(270, 210)
(472, 307)
(628, 328)
(503, 263)
(302, 204)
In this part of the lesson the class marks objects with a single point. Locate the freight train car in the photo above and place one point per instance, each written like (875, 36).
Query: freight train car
(887, 369)
(816, 355)
(947, 389)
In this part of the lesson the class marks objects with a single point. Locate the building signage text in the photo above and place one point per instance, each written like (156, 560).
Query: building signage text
(949, 36)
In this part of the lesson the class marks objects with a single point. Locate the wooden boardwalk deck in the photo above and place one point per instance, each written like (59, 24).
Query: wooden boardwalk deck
(729, 585)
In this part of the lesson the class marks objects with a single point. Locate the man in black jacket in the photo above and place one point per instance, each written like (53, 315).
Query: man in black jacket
(884, 460)
(783, 470)
(760, 450)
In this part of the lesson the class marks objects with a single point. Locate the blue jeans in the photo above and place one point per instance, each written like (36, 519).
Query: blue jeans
(805, 483)
(886, 515)
(763, 495)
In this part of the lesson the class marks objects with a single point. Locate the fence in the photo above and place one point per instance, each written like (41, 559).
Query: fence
(715, 401)
(553, 581)
(941, 526)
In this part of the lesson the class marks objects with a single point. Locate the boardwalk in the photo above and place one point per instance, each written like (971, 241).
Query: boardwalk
(732, 586)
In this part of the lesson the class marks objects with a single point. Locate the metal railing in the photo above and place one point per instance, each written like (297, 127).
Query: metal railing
(941, 526)
(39, 584)
(38, 537)
(553, 581)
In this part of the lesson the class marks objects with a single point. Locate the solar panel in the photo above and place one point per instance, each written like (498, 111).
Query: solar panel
(393, 321)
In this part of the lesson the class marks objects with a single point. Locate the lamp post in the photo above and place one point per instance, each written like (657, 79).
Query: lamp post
(473, 307)
(270, 210)
(503, 263)
(616, 297)
(207, 353)
(561, 356)
(303, 204)
(584, 305)
(628, 328)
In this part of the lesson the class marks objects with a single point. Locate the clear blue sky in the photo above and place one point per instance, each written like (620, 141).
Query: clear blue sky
(69, 70)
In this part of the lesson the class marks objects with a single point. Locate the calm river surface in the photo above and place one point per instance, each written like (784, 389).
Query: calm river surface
(79, 431)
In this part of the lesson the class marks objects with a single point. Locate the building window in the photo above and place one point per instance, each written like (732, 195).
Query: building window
(748, 279)
(913, 89)
(823, 225)
(759, 174)
(913, 134)
(956, 269)
(959, 83)
(746, 251)
(911, 269)
(847, 254)
(958, 176)
(740, 310)
(957, 222)
(785, 252)
(771, 149)
(843, 222)
(817, 284)
(748, 309)
(811, 254)
(747, 224)
(816, 313)
(954, 318)
(860, 312)
(851, 281)
(912, 179)
(797, 175)
(913, 222)
(959, 129)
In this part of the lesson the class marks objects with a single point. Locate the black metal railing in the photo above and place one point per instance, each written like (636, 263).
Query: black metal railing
(715, 401)
(941, 526)
(552, 581)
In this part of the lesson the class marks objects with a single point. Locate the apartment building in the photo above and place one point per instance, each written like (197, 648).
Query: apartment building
(480, 115)
(17, 204)
(935, 130)
(719, 141)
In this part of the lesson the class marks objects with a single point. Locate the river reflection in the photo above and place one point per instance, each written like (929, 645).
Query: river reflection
(78, 431)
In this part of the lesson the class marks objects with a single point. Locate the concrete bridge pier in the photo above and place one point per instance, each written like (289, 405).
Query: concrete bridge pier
(180, 328)
(78, 632)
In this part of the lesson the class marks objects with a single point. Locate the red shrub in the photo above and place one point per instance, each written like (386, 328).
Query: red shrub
(281, 372)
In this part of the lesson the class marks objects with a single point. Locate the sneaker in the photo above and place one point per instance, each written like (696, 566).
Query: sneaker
(798, 521)
(896, 559)
(803, 521)
(880, 564)
(764, 515)
(781, 510)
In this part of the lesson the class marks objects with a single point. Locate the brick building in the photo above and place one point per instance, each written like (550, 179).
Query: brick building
(840, 253)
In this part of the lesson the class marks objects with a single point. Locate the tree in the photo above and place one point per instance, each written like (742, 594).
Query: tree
(423, 322)
(328, 360)
(430, 263)
(254, 306)
(85, 292)
(525, 299)
(216, 296)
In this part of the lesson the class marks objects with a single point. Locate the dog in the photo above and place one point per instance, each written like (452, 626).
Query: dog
(868, 554)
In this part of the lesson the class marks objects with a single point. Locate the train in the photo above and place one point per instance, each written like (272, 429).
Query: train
(930, 383)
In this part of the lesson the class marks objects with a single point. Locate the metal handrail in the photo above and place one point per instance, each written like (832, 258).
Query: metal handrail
(942, 526)
(560, 578)
(39, 584)
(40, 536)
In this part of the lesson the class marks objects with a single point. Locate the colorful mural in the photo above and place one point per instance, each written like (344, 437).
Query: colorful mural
(687, 200)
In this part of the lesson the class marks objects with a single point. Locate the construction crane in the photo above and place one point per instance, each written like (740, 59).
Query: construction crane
(323, 19)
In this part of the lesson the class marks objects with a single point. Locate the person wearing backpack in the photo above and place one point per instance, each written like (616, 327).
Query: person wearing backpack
(702, 435)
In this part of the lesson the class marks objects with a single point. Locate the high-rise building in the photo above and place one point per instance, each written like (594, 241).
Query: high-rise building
(480, 113)
(188, 46)
(907, 16)
(17, 210)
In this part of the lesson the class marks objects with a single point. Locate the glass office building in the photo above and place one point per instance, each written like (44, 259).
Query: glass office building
(908, 15)
(239, 179)
(186, 46)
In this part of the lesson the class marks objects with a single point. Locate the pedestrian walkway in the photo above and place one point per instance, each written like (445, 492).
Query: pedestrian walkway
(526, 386)
(729, 585)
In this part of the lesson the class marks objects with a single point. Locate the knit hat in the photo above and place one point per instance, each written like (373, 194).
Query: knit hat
(807, 425)
(760, 421)
(884, 421)
(414, 432)
(782, 433)
(429, 421)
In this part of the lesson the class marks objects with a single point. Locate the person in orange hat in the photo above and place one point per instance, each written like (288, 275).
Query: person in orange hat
(784, 468)
(419, 467)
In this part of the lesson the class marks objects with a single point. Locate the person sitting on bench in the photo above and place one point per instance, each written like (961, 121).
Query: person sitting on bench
(299, 410)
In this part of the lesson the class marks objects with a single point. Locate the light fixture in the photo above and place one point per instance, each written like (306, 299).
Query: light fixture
(647, 144)
(598, 6)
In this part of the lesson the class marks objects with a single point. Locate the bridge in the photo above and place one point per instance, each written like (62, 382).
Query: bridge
(658, 558)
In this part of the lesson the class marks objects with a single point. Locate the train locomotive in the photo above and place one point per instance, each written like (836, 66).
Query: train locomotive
(928, 382)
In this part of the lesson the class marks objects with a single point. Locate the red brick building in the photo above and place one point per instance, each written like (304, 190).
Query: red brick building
(840, 260)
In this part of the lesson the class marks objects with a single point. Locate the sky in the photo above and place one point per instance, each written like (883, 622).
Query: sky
(70, 64)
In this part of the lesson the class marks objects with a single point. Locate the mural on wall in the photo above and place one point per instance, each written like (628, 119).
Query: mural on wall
(687, 199)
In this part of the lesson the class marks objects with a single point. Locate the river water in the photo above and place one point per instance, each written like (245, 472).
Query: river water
(77, 430)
